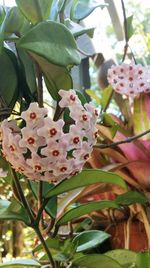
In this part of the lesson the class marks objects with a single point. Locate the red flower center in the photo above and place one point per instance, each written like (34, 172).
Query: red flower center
(84, 117)
(130, 68)
(37, 167)
(121, 70)
(96, 112)
(142, 84)
(53, 131)
(96, 134)
(63, 169)
(55, 153)
(121, 84)
(72, 97)
(12, 148)
(130, 78)
(140, 71)
(86, 156)
(31, 140)
(32, 115)
(76, 140)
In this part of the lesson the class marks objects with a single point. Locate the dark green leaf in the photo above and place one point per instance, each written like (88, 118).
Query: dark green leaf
(89, 239)
(12, 211)
(51, 207)
(8, 78)
(28, 69)
(56, 77)
(131, 197)
(35, 10)
(21, 263)
(130, 26)
(85, 209)
(96, 261)
(82, 8)
(14, 21)
(85, 178)
(77, 30)
(123, 256)
(54, 243)
(53, 41)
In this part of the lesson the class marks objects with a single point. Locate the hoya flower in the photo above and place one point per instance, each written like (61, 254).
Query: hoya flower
(42, 150)
(34, 115)
(51, 129)
(69, 98)
(129, 79)
(30, 139)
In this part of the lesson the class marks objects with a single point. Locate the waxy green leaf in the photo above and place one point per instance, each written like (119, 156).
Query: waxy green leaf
(52, 41)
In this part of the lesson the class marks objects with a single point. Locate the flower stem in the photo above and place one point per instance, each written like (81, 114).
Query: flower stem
(22, 197)
(37, 230)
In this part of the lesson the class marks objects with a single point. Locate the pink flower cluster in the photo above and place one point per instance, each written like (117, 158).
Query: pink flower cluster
(42, 150)
(129, 79)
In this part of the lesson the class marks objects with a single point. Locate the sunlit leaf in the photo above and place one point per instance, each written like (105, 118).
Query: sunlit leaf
(21, 263)
(52, 41)
(35, 10)
(97, 260)
(123, 256)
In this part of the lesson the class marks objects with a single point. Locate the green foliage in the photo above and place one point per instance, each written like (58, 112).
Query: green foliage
(96, 260)
(86, 177)
(131, 197)
(124, 257)
(82, 8)
(85, 209)
(35, 10)
(8, 78)
(56, 43)
(89, 239)
(21, 263)
(13, 211)
(130, 26)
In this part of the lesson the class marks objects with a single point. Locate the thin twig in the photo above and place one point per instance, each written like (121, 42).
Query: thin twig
(125, 31)
(128, 140)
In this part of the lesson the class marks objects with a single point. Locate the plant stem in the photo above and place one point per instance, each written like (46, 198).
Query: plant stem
(22, 197)
(125, 31)
(128, 140)
(37, 230)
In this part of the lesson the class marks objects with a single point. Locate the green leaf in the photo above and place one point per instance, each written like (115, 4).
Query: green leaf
(130, 26)
(51, 207)
(21, 263)
(131, 197)
(56, 77)
(93, 95)
(2, 14)
(85, 209)
(89, 239)
(123, 256)
(85, 178)
(82, 8)
(77, 30)
(53, 243)
(28, 69)
(8, 78)
(52, 41)
(106, 95)
(13, 211)
(35, 10)
(143, 260)
(96, 261)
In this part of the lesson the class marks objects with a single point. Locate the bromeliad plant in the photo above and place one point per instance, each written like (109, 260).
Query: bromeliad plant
(48, 155)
